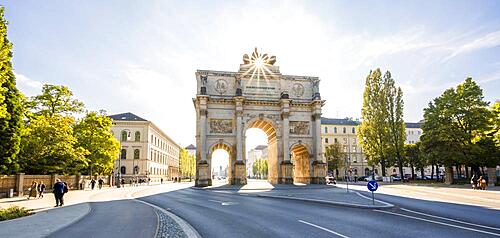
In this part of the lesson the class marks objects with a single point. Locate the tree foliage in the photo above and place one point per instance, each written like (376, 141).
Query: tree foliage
(187, 164)
(334, 156)
(55, 99)
(382, 130)
(93, 133)
(11, 105)
(49, 147)
(457, 127)
(260, 168)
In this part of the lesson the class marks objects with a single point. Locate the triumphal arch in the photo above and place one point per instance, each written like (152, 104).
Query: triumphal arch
(286, 107)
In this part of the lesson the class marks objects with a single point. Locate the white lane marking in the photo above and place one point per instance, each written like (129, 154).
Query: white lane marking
(215, 201)
(223, 203)
(322, 228)
(437, 222)
(449, 219)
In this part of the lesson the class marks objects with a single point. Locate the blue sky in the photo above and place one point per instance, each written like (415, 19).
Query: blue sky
(140, 56)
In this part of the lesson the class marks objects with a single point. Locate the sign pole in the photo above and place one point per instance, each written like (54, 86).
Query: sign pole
(373, 198)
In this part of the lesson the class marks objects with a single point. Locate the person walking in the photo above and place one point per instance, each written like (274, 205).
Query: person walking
(482, 183)
(58, 191)
(100, 182)
(161, 181)
(41, 189)
(33, 190)
(473, 182)
(92, 184)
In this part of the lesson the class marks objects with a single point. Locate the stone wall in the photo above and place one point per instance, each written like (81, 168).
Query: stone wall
(21, 182)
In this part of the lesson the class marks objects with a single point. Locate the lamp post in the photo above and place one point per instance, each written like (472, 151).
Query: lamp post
(119, 180)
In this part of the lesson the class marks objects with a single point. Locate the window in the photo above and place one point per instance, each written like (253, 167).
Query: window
(354, 149)
(326, 140)
(136, 169)
(124, 136)
(345, 140)
(123, 170)
(344, 130)
(326, 129)
(335, 140)
(136, 153)
(335, 130)
(354, 140)
(345, 148)
(123, 154)
(137, 136)
(354, 159)
(353, 130)
(151, 138)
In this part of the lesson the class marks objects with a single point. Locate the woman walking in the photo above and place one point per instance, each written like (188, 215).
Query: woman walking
(33, 190)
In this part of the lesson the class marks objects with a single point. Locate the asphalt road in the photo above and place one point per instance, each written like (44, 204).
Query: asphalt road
(218, 214)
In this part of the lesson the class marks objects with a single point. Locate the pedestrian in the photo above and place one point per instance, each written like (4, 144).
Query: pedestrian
(33, 190)
(92, 184)
(482, 183)
(473, 182)
(161, 181)
(101, 182)
(149, 180)
(41, 189)
(58, 191)
(123, 182)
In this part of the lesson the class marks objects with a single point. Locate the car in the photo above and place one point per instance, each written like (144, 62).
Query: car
(362, 178)
(377, 178)
(395, 178)
(330, 180)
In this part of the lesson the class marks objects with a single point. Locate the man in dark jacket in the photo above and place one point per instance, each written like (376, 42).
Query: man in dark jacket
(58, 190)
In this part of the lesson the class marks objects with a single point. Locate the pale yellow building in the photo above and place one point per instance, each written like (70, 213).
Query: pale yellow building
(146, 151)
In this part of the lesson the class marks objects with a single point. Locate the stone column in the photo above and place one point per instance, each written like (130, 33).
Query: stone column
(286, 164)
(239, 164)
(20, 184)
(319, 166)
(203, 177)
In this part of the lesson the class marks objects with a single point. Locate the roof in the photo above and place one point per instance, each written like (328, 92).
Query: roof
(190, 147)
(261, 147)
(128, 116)
(339, 121)
(413, 124)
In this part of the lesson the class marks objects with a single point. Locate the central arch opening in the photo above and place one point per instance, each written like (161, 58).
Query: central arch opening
(261, 151)
(301, 164)
(220, 157)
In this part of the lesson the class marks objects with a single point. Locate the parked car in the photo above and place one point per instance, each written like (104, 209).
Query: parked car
(330, 180)
(377, 178)
(362, 178)
(395, 178)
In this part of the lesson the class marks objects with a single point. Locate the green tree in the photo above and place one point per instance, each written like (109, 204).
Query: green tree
(11, 105)
(260, 168)
(373, 130)
(334, 156)
(49, 146)
(396, 124)
(187, 164)
(93, 133)
(455, 123)
(55, 100)
(495, 121)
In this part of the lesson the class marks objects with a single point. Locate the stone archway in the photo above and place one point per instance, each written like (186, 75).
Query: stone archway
(301, 164)
(286, 107)
(269, 128)
(221, 145)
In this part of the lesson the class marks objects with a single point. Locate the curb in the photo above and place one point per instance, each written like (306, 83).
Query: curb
(257, 189)
(386, 206)
(186, 227)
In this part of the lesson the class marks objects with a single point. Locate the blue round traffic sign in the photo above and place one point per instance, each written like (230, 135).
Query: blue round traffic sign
(372, 185)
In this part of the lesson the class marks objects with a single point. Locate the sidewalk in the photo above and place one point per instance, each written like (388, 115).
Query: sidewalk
(450, 194)
(48, 219)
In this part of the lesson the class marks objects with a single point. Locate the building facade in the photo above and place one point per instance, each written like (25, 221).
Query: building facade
(343, 131)
(146, 151)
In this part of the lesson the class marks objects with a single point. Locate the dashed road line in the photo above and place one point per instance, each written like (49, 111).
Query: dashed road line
(437, 222)
(325, 229)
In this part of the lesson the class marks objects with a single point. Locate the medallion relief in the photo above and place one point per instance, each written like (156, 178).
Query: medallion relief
(221, 86)
(221, 126)
(298, 90)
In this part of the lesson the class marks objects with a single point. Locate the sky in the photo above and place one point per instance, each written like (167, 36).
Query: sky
(141, 56)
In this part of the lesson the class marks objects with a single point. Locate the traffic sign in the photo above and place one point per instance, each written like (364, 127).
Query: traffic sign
(372, 185)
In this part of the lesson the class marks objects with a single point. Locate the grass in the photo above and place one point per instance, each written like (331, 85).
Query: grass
(14, 212)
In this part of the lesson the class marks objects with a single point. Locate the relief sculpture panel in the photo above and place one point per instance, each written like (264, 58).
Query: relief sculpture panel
(221, 126)
(299, 127)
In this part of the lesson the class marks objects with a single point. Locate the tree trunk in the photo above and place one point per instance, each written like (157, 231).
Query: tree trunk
(382, 164)
(400, 165)
(459, 171)
(466, 172)
(412, 172)
(437, 172)
(432, 172)
(482, 170)
(422, 174)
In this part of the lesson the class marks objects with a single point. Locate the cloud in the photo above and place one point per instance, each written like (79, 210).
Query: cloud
(28, 82)
(487, 41)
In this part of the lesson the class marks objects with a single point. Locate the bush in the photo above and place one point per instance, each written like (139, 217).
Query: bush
(14, 212)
